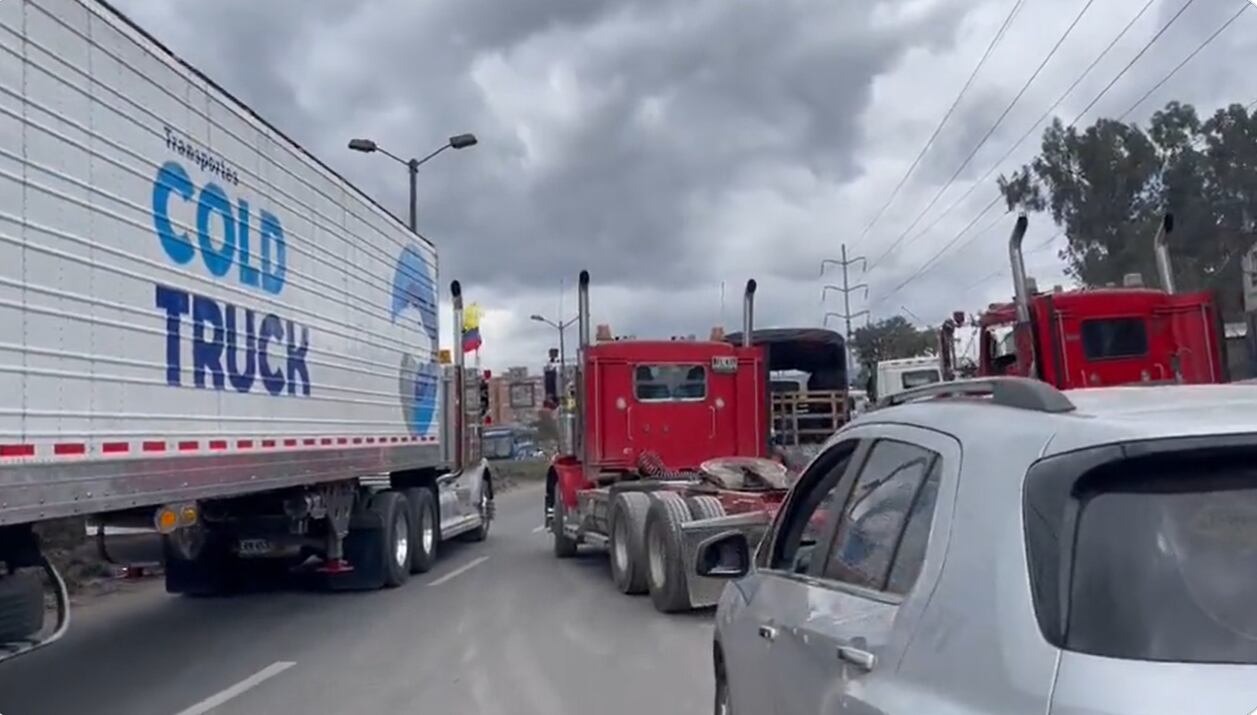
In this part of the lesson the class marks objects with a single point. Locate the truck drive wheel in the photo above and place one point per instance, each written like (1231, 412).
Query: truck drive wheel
(628, 541)
(395, 537)
(705, 507)
(425, 528)
(666, 572)
(21, 605)
(564, 545)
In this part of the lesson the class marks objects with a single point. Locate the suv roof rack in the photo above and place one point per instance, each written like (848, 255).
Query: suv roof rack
(1019, 392)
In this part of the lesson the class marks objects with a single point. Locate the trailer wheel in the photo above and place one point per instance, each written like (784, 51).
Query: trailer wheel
(214, 572)
(628, 541)
(21, 605)
(564, 545)
(395, 537)
(666, 575)
(705, 507)
(425, 528)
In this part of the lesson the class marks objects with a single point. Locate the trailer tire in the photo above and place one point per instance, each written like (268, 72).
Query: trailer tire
(666, 576)
(628, 542)
(705, 507)
(395, 538)
(212, 573)
(425, 528)
(564, 545)
(21, 605)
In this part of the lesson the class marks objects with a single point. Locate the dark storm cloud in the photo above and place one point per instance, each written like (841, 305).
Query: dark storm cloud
(673, 102)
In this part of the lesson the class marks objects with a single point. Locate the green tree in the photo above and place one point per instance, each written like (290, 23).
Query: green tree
(891, 338)
(1107, 187)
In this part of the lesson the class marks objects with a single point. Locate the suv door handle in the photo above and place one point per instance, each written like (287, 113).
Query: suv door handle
(858, 657)
(768, 633)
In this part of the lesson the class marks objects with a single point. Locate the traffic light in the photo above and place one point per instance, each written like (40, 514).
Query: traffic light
(484, 396)
(551, 387)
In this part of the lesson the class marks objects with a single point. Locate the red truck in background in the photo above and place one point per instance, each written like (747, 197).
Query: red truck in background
(669, 444)
(1095, 337)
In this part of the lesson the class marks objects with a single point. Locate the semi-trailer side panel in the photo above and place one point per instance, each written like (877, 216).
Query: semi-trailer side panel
(192, 304)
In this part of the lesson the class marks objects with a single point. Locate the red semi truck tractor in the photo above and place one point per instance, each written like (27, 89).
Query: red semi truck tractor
(670, 442)
(1097, 337)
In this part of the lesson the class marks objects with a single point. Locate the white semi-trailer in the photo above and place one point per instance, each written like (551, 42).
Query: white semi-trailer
(207, 333)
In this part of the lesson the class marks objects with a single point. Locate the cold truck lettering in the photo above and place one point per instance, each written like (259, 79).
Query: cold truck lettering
(229, 344)
(228, 351)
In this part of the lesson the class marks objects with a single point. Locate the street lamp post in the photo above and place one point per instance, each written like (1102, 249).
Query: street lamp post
(458, 141)
(561, 387)
(562, 328)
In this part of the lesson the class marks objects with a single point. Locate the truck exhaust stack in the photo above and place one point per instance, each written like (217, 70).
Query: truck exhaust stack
(460, 380)
(947, 350)
(1021, 291)
(582, 317)
(748, 313)
(1161, 247)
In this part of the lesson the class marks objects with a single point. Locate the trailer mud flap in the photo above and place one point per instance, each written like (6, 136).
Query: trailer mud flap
(706, 591)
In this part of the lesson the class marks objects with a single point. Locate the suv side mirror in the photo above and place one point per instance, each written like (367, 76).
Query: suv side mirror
(726, 555)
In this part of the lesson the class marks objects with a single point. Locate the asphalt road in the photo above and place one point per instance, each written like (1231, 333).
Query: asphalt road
(500, 627)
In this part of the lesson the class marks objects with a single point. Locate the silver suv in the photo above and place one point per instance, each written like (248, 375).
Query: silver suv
(996, 546)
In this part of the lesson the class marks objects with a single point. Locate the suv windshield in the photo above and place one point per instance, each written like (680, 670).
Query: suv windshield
(1167, 569)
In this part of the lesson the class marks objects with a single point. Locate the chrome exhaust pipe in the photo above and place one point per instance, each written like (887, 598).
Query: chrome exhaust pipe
(1161, 247)
(947, 350)
(580, 448)
(748, 314)
(1021, 292)
(460, 383)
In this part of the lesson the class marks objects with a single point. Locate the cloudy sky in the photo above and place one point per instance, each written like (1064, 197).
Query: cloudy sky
(672, 146)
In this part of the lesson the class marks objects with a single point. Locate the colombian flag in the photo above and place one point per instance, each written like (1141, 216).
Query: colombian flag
(471, 328)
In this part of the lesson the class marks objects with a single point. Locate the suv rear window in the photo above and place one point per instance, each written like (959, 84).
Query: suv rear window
(1110, 338)
(1165, 564)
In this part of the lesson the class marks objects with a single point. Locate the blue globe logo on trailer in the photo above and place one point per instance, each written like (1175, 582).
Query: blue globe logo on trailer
(415, 299)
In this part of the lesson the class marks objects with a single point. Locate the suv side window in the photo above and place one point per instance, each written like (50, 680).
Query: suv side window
(910, 554)
(872, 525)
(811, 511)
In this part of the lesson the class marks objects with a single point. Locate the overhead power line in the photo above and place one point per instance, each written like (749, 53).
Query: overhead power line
(989, 133)
(999, 35)
(1030, 129)
(1000, 271)
(925, 266)
(1160, 32)
(1169, 23)
(1244, 6)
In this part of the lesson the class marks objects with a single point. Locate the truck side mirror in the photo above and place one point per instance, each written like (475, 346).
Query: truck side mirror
(726, 555)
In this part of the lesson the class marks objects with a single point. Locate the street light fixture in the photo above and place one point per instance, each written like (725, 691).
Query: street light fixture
(368, 146)
(562, 328)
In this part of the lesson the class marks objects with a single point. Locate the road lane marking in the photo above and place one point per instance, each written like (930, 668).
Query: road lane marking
(236, 690)
(539, 529)
(460, 570)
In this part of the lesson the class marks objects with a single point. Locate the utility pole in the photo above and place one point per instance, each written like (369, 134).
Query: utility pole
(846, 289)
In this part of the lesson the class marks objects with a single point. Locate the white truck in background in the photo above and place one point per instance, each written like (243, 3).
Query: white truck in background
(895, 376)
(208, 334)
